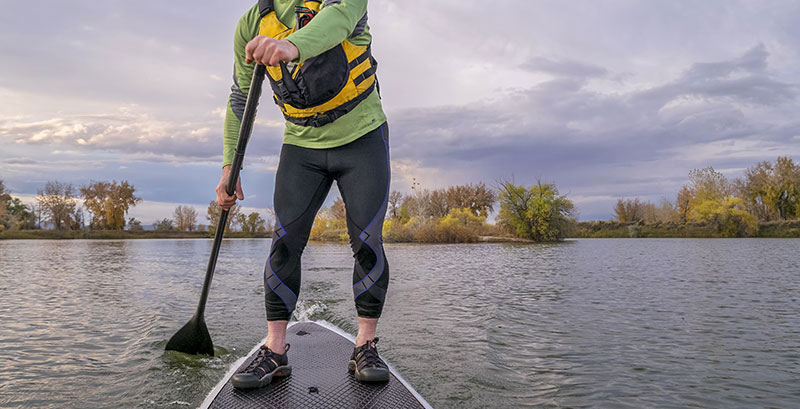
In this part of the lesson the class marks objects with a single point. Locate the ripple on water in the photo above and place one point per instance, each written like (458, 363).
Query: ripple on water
(614, 323)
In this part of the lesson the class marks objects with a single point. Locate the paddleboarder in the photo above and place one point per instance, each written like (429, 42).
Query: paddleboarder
(322, 73)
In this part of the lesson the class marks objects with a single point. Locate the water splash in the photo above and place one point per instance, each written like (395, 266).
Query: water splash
(306, 310)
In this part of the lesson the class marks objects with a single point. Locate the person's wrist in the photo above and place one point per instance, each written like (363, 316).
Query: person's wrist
(292, 50)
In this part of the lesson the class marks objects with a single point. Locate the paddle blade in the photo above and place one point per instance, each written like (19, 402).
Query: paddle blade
(192, 339)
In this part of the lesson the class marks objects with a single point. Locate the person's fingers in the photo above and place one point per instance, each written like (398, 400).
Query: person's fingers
(249, 48)
(276, 58)
(269, 51)
(239, 191)
(258, 52)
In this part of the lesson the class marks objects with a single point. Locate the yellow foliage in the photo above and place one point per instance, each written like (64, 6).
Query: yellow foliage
(461, 217)
(727, 215)
(327, 228)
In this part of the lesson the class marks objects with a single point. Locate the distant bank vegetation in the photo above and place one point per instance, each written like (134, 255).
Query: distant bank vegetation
(764, 202)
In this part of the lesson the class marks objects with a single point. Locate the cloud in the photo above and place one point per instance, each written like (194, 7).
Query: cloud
(568, 68)
(606, 99)
(717, 113)
(130, 132)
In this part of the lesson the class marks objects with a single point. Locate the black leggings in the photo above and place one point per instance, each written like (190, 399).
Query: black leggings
(304, 177)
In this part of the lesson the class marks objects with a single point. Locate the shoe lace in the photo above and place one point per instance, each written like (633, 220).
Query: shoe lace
(263, 354)
(370, 356)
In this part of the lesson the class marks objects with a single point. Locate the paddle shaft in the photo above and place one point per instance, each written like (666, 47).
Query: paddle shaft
(238, 157)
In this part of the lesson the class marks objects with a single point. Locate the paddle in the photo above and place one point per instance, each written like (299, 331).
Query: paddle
(194, 338)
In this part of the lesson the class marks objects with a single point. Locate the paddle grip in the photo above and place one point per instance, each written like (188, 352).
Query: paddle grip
(247, 126)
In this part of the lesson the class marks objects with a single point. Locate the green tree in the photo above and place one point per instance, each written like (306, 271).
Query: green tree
(252, 223)
(20, 214)
(109, 202)
(787, 188)
(538, 213)
(214, 212)
(14, 214)
(164, 225)
(135, 225)
(4, 216)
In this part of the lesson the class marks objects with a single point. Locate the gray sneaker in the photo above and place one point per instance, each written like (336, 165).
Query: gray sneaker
(366, 365)
(266, 366)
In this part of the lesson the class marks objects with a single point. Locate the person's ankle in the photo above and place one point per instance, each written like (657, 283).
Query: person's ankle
(276, 347)
(361, 341)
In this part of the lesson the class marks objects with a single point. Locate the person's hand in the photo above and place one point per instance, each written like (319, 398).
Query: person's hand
(269, 51)
(223, 200)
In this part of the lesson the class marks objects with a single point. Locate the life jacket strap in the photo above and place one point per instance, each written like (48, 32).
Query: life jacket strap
(332, 115)
(265, 7)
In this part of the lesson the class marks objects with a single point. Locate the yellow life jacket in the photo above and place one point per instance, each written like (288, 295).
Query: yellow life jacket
(323, 88)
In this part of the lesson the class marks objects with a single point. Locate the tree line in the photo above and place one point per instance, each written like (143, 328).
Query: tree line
(767, 192)
(453, 214)
(60, 206)
(459, 214)
(185, 218)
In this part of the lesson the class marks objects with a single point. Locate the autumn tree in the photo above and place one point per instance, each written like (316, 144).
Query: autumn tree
(770, 191)
(538, 213)
(630, 210)
(185, 218)
(666, 212)
(109, 202)
(3, 213)
(683, 203)
(337, 210)
(711, 201)
(59, 206)
(252, 223)
(395, 200)
(419, 204)
(477, 198)
(214, 212)
(437, 205)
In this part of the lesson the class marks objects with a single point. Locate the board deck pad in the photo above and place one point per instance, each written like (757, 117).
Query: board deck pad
(319, 379)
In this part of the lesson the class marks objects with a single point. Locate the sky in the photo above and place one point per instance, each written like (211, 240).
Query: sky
(607, 99)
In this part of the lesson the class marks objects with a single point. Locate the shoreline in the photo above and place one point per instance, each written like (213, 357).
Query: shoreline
(583, 230)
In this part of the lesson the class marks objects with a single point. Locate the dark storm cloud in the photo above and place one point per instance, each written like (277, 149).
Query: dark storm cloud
(564, 131)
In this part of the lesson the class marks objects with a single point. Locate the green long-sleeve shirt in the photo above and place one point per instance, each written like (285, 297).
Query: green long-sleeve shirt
(334, 23)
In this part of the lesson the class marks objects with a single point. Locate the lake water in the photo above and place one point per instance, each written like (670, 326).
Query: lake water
(585, 323)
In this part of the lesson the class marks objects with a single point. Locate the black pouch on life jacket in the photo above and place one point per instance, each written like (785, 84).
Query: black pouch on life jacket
(318, 79)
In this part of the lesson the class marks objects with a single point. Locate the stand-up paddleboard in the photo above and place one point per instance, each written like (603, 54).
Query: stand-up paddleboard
(319, 356)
